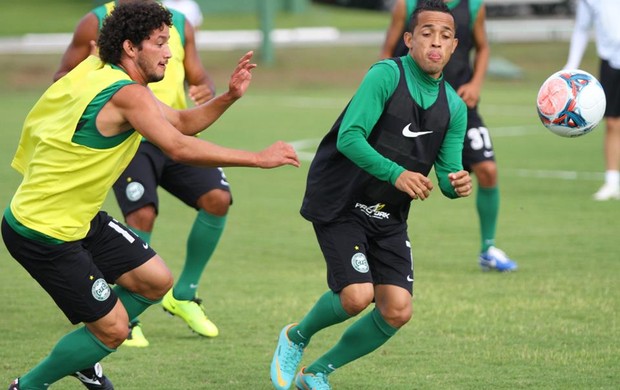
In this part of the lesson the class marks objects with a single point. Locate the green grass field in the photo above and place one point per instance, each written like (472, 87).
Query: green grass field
(551, 325)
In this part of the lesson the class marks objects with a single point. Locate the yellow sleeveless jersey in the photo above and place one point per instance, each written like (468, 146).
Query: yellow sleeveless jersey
(68, 167)
(170, 90)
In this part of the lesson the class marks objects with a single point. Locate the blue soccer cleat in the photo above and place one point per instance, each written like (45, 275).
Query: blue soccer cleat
(307, 381)
(496, 259)
(286, 358)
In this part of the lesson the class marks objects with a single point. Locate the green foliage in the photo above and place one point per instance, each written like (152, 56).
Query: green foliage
(61, 16)
(551, 325)
(41, 16)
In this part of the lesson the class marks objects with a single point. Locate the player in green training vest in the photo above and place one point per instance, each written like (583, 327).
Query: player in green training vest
(76, 141)
(203, 188)
(402, 121)
(478, 153)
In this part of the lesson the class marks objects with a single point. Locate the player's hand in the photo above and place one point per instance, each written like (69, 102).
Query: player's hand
(241, 77)
(200, 93)
(415, 184)
(461, 181)
(278, 154)
(470, 94)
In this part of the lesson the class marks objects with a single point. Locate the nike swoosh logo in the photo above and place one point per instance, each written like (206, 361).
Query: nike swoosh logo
(409, 278)
(145, 246)
(488, 153)
(87, 380)
(413, 134)
(281, 380)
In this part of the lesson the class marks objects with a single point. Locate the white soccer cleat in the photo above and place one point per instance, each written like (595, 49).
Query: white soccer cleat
(607, 192)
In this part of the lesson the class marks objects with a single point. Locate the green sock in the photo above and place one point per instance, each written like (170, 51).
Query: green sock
(487, 204)
(134, 304)
(75, 351)
(201, 243)
(145, 236)
(326, 311)
(362, 337)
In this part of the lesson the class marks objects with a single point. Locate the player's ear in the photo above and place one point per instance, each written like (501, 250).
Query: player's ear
(456, 43)
(129, 48)
(408, 37)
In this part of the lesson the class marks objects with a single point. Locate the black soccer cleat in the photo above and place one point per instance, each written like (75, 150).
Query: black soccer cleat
(92, 378)
(14, 385)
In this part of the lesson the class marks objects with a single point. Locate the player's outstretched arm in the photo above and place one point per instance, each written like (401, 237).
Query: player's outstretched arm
(197, 119)
(135, 107)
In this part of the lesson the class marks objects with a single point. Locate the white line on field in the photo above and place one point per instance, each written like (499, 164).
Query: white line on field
(562, 175)
(305, 150)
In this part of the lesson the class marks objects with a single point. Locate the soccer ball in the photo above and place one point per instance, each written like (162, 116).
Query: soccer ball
(571, 103)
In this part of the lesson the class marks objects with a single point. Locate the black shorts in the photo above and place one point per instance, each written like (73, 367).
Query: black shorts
(355, 252)
(76, 274)
(150, 168)
(610, 80)
(478, 146)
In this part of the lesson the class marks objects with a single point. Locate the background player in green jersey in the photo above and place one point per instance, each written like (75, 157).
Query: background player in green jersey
(76, 141)
(478, 153)
(203, 188)
(402, 121)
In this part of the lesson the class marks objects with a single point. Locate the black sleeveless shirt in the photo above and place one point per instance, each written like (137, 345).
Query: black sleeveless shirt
(405, 133)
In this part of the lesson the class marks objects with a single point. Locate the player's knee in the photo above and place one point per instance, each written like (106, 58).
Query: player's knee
(117, 334)
(215, 202)
(152, 280)
(112, 329)
(354, 302)
(486, 173)
(397, 316)
(142, 218)
(612, 124)
(165, 286)
(160, 286)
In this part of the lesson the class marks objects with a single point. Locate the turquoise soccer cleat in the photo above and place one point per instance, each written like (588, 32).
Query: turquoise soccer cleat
(286, 358)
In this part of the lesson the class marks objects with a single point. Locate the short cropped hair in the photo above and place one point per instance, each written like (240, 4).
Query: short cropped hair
(427, 5)
(130, 21)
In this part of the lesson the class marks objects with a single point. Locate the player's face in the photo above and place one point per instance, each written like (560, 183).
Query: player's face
(154, 55)
(432, 42)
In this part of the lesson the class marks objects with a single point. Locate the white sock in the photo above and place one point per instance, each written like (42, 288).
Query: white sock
(612, 178)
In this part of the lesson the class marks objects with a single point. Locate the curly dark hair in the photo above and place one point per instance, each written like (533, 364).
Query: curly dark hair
(130, 21)
(427, 5)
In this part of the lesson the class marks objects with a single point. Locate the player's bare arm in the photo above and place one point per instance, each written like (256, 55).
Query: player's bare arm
(135, 106)
(470, 92)
(395, 30)
(80, 46)
(198, 118)
(415, 184)
(201, 86)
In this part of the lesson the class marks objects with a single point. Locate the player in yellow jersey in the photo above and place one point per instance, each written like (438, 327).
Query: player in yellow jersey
(76, 141)
(205, 189)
